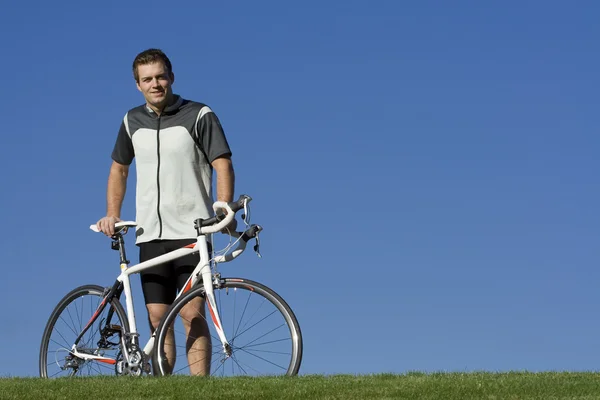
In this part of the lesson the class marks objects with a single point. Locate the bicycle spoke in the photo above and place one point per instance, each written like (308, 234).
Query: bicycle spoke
(276, 365)
(70, 328)
(253, 347)
(256, 324)
(234, 310)
(222, 366)
(71, 318)
(251, 317)
(91, 330)
(79, 317)
(52, 376)
(238, 364)
(243, 312)
(63, 338)
(260, 337)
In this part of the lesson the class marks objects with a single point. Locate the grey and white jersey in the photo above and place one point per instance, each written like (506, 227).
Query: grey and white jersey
(173, 153)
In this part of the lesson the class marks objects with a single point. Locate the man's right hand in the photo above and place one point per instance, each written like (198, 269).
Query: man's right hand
(106, 225)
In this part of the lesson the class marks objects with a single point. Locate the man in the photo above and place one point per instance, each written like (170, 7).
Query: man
(177, 143)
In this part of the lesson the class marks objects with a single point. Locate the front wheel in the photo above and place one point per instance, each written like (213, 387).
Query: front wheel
(262, 331)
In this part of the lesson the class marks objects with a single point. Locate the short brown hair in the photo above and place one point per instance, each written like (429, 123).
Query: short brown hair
(151, 56)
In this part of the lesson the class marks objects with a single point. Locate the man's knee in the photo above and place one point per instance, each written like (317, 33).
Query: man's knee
(193, 311)
(155, 313)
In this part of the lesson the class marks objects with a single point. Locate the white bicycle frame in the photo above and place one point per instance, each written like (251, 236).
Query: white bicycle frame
(202, 269)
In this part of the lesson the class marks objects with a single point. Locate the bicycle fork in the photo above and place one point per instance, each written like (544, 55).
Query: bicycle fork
(212, 308)
(211, 304)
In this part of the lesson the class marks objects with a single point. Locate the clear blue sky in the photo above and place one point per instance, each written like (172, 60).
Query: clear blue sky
(426, 172)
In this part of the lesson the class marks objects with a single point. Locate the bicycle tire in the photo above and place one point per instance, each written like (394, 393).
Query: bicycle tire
(282, 312)
(68, 299)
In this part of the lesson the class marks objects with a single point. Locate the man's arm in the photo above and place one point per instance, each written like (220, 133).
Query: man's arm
(211, 139)
(115, 193)
(225, 178)
(225, 185)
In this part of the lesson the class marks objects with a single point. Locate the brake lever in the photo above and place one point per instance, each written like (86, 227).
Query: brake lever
(257, 245)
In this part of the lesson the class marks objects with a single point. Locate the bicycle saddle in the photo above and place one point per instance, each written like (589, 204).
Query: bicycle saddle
(118, 226)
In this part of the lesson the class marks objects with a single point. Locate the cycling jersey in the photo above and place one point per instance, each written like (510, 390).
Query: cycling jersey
(173, 153)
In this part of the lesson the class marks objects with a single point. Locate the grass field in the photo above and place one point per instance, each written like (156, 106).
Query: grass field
(492, 386)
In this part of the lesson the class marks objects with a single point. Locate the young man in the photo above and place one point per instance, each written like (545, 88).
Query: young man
(177, 143)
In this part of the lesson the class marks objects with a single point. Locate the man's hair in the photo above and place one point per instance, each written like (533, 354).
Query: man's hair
(151, 56)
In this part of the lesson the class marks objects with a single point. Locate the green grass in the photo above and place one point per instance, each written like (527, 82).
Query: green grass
(483, 385)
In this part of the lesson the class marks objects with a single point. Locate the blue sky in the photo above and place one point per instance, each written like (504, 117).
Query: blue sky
(425, 172)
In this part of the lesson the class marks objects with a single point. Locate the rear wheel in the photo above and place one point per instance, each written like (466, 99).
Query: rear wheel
(263, 333)
(67, 321)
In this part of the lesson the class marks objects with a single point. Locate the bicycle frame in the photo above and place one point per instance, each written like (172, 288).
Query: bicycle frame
(201, 270)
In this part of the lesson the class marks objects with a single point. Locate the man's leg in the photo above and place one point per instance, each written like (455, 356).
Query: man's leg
(198, 341)
(155, 313)
(158, 286)
(198, 344)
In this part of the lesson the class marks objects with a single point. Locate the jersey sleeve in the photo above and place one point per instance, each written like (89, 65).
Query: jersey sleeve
(211, 137)
(123, 150)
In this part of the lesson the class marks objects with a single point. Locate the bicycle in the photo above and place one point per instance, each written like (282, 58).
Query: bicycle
(108, 341)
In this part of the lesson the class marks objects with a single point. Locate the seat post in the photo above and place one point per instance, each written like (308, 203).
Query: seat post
(118, 243)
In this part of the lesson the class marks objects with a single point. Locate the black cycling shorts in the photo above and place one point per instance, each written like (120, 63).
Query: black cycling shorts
(161, 283)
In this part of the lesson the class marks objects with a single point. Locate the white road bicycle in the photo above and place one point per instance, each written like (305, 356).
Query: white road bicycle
(253, 331)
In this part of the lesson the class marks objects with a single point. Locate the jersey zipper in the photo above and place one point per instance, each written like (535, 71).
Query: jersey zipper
(158, 178)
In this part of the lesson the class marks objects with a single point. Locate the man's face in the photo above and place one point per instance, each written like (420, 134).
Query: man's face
(155, 84)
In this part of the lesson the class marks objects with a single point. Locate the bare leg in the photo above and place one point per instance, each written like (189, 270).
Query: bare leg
(198, 344)
(155, 313)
